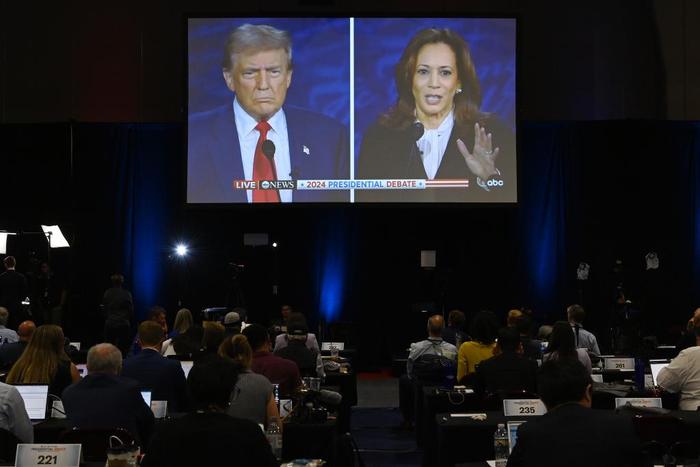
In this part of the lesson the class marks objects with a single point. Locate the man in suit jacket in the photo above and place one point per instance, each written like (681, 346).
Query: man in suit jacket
(163, 377)
(570, 433)
(507, 371)
(104, 399)
(13, 289)
(10, 353)
(226, 143)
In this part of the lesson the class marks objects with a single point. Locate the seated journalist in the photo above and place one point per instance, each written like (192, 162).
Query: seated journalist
(572, 434)
(226, 143)
(436, 129)
(508, 371)
(104, 399)
(208, 436)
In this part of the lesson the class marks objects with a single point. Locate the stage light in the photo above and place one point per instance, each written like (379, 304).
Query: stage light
(181, 250)
(274, 244)
(3, 241)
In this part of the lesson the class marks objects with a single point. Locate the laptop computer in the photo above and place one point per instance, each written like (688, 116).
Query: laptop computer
(35, 398)
(186, 366)
(655, 368)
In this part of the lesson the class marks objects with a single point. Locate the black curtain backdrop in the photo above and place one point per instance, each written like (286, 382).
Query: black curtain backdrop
(589, 191)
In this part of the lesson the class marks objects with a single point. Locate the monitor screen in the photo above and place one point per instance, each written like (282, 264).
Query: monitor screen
(35, 397)
(351, 110)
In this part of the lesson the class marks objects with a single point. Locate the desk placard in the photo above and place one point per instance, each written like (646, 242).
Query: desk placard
(55, 455)
(523, 407)
(639, 402)
(597, 378)
(619, 364)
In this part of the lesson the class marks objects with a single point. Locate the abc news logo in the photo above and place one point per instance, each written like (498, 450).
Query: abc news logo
(494, 183)
(264, 185)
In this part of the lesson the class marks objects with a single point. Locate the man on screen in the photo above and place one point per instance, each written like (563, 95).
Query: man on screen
(257, 137)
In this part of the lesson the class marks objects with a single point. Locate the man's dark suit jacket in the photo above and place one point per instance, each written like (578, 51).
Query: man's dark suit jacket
(108, 401)
(319, 148)
(507, 372)
(574, 436)
(211, 440)
(163, 377)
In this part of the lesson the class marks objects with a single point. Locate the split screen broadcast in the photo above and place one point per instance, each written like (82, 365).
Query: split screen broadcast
(363, 110)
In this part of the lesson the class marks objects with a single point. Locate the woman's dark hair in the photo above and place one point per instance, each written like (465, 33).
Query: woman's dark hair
(562, 340)
(484, 327)
(562, 381)
(210, 383)
(467, 103)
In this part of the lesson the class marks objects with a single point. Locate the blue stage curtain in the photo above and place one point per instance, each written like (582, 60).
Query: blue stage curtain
(128, 194)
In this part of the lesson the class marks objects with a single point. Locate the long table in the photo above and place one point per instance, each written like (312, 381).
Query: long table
(316, 440)
(461, 439)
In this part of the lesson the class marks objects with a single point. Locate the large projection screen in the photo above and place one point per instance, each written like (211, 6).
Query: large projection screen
(351, 110)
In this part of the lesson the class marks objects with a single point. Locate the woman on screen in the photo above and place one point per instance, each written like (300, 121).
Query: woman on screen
(436, 129)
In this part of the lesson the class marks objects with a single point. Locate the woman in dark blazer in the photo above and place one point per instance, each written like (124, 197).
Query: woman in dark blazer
(436, 130)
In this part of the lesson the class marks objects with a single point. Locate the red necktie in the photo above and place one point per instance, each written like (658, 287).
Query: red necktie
(263, 168)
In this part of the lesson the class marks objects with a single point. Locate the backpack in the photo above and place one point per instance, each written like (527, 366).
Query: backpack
(433, 369)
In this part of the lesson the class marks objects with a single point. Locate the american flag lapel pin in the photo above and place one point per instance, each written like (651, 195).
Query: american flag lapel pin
(306, 150)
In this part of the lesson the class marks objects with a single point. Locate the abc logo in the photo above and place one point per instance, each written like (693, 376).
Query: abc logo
(264, 184)
(494, 182)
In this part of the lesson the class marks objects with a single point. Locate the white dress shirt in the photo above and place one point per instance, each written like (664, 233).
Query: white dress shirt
(433, 143)
(683, 375)
(248, 138)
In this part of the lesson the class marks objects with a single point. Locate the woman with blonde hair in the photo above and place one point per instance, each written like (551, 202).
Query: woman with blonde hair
(183, 322)
(44, 361)
(252, 397)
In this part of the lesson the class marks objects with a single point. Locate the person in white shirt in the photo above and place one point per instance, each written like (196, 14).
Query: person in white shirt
(7, 336)
(13, 414)
(683, 375)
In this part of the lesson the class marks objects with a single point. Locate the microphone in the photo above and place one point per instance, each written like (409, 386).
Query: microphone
(268, 148)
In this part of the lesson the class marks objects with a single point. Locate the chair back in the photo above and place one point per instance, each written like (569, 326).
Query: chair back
(94, 441)
(663, 429)
(8, 446)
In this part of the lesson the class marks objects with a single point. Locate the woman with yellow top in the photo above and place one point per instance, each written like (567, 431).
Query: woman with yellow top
(484, 329)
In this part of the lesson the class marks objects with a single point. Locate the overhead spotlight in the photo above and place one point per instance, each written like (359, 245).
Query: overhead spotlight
(181, 250)
(274, 244)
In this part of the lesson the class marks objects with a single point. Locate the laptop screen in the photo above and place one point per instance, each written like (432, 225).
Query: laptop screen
(655, 368)
(186, 366)
(146, 397)
(35, 397)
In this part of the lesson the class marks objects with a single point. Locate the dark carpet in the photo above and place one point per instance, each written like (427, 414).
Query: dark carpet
(380, 439)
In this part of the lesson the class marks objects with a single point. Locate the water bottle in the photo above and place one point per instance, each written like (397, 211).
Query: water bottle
(274, 437)
(500, 445)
